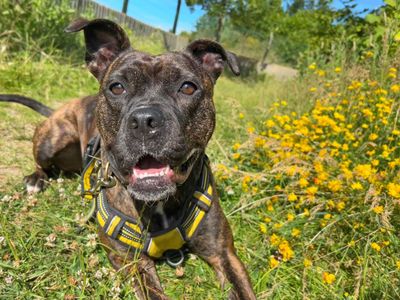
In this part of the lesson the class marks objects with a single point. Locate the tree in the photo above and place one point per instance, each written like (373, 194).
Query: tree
(125, 6)
(214, 8)
(259, 18)
(295, 6)
(178, 8)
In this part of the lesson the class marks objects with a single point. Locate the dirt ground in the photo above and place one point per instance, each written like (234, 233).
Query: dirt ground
(280, 72)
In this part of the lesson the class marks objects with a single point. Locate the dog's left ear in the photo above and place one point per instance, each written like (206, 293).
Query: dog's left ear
(212, 56)
(104, 40)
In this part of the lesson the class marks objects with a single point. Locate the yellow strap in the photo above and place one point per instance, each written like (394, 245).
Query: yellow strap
(86, 180)
(100, 219)
(203, 198)
(113, 223)
(167, 241)
(193, 226)
(131, 235)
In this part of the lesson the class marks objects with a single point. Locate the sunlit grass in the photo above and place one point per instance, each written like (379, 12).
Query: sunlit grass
(302, 227)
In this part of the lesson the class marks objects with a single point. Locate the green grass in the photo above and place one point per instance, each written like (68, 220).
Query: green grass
(66, 267)
(44, 255)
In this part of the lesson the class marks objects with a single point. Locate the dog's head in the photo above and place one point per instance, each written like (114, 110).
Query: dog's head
(155, 114)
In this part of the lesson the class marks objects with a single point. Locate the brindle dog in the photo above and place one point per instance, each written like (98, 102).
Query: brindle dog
(155, 116)
(59, 141)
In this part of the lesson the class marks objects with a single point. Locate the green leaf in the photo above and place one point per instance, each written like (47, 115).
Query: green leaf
(397, 37)
(380, 31)
(371, 18)
(391, 3)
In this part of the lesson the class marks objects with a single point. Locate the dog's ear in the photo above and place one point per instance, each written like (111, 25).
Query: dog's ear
(212, 56)
(104, 40)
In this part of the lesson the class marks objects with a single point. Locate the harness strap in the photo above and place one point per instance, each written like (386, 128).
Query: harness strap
(91, 164)
(129, 231)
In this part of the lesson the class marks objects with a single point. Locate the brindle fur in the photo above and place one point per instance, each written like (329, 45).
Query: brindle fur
(60, 140)
(153, 81)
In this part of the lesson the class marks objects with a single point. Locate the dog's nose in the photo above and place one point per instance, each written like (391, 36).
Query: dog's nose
(146, 121)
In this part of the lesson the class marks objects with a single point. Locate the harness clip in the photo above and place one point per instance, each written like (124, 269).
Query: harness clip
(174, 258)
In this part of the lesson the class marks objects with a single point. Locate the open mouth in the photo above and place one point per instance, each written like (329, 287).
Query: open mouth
(149, 168)
(153, 180)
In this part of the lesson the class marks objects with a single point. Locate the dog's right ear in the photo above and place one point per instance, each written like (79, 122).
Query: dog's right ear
(104, 40)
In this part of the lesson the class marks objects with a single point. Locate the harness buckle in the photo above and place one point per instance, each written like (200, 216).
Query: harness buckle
(174, 258)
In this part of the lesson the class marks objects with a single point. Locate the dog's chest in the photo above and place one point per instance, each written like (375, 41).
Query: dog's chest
(159, 211)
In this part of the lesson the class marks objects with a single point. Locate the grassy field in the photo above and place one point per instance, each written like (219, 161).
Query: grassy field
(308, 174)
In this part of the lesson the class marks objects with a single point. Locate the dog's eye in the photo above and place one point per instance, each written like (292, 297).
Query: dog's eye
(117, 89)
(188, 88)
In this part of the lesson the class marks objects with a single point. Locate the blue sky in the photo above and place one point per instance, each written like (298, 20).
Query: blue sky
(158, 13)
(161, 13)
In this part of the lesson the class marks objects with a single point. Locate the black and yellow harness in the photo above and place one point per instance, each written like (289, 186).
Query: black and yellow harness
(129, 231)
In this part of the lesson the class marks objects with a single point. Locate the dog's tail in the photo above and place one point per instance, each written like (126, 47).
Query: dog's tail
(33, 104)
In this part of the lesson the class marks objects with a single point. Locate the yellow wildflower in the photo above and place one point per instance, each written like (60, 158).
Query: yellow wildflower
(259, 142)
(335, 185)
(236, 146)
(369, 54)
(312, 89)
(363, 170)
(376, 247)
(236, 156)
(267, 220)
(241, 115)
(303, 182)
(394, 190)
(395, 88)
(312, 190)
(340, 206)
(263, 228)
(338, 70)
(373, 136)
(292, 197)
(290, 217)
(250, 129)
(328, 278)
(274, 240)
(306, 212)
(269, 123)
(295, 232)
(378, 209)
(273, 262)
(356, 186)
(375, 162)
(285, 250)
(307, 263)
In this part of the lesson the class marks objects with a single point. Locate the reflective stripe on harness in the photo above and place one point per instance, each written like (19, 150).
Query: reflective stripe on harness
(131, 233)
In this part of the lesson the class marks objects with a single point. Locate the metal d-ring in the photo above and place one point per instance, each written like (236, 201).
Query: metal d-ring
(110, 182)
(174, 258)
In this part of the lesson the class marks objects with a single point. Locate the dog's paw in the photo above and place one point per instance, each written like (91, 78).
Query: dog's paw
(36, 182)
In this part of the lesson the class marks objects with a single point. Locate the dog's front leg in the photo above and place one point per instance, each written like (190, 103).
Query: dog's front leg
(228, 266)
(214, 244)
(146, 283)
